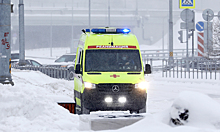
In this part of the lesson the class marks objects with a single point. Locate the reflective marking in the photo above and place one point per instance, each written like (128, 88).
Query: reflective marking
(171, 53)
(200, 42)
(10, 65)
(108, 46)
(78, 101)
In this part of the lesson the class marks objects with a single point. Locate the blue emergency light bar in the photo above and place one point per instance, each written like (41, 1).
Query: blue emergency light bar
(123, 30)
(111, 30)
(96, 30)
(87, 30)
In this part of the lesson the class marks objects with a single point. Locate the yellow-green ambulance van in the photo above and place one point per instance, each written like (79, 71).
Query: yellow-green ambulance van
(109, 72)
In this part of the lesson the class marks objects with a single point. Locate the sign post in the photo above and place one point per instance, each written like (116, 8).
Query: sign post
(200, 38)
(5, 40)
(208, 15)
(188, 16)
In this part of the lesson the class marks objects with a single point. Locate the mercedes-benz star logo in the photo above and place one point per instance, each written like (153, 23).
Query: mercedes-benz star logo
(115, 88)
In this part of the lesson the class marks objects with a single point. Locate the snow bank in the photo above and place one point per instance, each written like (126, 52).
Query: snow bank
(27, 106)
(204, 115)
(203, 111)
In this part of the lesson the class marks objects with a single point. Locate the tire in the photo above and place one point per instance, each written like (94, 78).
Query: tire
(84, 110)
(142, 110)
(133, 112)
(77, 108)
(81, 109)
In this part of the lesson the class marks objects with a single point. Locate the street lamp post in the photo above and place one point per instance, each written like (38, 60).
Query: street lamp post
(21, 34)
(170, 30)
(72, 43)
(109, 13)
(164, 18)
(89, 13)
(51, 35)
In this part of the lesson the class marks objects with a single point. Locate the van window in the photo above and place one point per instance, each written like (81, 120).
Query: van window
(79, 55)
(112, 61)
(81, 60)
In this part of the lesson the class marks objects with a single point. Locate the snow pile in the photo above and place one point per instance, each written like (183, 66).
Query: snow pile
(203, 111)
(204, 115)
(28, 105)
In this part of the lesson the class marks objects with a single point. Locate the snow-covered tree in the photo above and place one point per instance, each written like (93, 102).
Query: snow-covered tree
(216, 37)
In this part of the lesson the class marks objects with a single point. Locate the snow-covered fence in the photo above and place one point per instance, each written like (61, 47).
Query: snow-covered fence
(187, 68)
(59, 73)
(164, 54)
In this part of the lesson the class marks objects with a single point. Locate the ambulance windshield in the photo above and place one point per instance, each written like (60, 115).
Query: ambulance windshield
(112, 61)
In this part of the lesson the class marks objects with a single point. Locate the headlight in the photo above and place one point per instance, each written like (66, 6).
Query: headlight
(89, 85)
(142, 85)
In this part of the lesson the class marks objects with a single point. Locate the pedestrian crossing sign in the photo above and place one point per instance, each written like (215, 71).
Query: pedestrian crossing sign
(187, 4)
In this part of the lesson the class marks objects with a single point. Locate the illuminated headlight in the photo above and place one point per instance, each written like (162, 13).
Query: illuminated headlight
(108, 99)
(142, 85)
(122, 99)
(89, 85)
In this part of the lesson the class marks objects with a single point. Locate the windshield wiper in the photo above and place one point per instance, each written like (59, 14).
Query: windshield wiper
(134, 73)
(94, 73)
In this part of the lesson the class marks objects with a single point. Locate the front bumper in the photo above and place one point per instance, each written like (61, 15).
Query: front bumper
(94, 99)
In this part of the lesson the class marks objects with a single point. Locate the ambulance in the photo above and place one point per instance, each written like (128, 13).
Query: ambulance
(109, 72)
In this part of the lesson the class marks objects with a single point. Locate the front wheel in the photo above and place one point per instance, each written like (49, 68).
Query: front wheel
(84, 110)
(80, 108)
(142, 110)
(134, 112)
(77, 107)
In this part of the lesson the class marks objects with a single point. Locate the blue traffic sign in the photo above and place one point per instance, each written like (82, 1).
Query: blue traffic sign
(200, 26)
(187, 4)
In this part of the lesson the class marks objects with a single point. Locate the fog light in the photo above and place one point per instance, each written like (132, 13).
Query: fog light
(108, 100)
(122, 99)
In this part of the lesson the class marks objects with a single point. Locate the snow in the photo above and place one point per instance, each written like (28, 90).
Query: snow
(31, 104)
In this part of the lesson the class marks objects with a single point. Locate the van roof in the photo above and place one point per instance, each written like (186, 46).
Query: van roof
(106, 39)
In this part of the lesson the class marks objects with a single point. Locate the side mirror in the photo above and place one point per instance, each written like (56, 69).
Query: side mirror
(147, 69)
(77, 71)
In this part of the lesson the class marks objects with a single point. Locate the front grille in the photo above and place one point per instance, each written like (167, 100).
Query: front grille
(123, 87)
